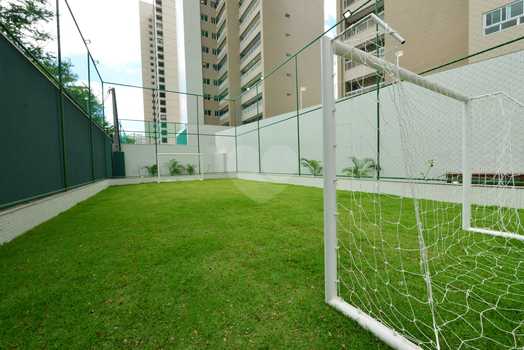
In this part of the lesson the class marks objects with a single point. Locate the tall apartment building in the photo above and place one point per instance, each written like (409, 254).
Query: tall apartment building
(159, 65)
(242, 41)
(437, 32)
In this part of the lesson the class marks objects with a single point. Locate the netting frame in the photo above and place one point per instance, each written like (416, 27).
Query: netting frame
(330, 48)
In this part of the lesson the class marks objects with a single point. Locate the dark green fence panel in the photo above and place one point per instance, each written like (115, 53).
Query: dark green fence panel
(31, 149)
(78, 145)
(109, 155)
(32, 159)
(100, 153)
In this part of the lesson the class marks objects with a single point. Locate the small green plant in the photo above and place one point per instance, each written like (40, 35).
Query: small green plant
(152, 170)
(190, 169)
(364, 167)
(175, 168)
(314, 166)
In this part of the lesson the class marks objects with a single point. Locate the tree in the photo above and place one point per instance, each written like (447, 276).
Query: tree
(23, 20)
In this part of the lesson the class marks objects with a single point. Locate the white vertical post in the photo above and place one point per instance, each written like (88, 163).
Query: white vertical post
(466, 166)
(330, 185)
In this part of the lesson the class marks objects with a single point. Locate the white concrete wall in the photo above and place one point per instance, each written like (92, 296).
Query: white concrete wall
(423, 126)
(17, 220)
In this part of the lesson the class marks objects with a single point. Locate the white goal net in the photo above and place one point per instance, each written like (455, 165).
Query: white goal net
(432, 256)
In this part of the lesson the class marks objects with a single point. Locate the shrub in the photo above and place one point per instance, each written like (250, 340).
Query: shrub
(314, 166)
(175, 168)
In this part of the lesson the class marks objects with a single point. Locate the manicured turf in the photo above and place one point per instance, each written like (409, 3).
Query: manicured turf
(216, 264)
(239, 264)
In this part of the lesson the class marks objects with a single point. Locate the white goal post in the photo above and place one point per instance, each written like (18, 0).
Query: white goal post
(329, 48)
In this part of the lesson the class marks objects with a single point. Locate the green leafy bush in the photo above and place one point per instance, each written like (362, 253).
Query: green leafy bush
(364, 167)
(314, 166)
(175, 168)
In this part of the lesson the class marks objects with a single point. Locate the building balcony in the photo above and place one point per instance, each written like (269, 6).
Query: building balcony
(251, 73)
(224, 118)
(220, 22)
(244, 6)
(361, 32)
(253, 111)
(221, 4)
(250, 55)
(253, 12)
(222, 53)
(353, 5)
(250, 95)
(223, 85)
(358, 72)
(247, 37)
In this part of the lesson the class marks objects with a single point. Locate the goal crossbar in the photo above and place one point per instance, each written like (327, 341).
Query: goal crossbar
(355, 54)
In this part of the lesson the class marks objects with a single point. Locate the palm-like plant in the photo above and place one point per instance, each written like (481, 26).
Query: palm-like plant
(175, 168)
(314, 166)
(152, 170)
(361, 167)
(190, 168)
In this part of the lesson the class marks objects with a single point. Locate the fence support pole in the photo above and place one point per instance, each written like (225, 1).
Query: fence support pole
(61, 96)
(198, 138)
(299, 105)
(258, 133)
(89, 112)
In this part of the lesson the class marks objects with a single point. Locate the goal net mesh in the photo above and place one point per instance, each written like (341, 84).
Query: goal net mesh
(403, 257)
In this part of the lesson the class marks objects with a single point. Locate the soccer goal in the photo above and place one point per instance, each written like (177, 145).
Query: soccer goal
(180, 164)
(428, 261)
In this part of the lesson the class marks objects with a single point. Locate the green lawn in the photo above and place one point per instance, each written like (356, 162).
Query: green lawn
(239, 264)
(216, 264)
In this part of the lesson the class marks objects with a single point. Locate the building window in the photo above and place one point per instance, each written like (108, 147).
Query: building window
(205, 33)
(205, 49)
(203, 18)
(504, 17)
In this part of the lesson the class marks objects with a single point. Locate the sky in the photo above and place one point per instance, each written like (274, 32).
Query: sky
(111, 28)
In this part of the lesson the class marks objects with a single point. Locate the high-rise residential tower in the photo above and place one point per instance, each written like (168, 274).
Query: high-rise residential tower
(243, 42)
(436, 33)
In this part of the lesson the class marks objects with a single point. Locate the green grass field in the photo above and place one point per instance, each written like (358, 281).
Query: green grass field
(216, 264)
(237, 264)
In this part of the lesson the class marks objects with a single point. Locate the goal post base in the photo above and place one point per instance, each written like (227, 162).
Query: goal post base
(495, 233)
(387, 335)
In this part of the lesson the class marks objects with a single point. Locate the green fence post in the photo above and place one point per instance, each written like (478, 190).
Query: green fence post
(198, 137)
(258, 131)
(61, 96)
(298, 114)
(89, 112)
